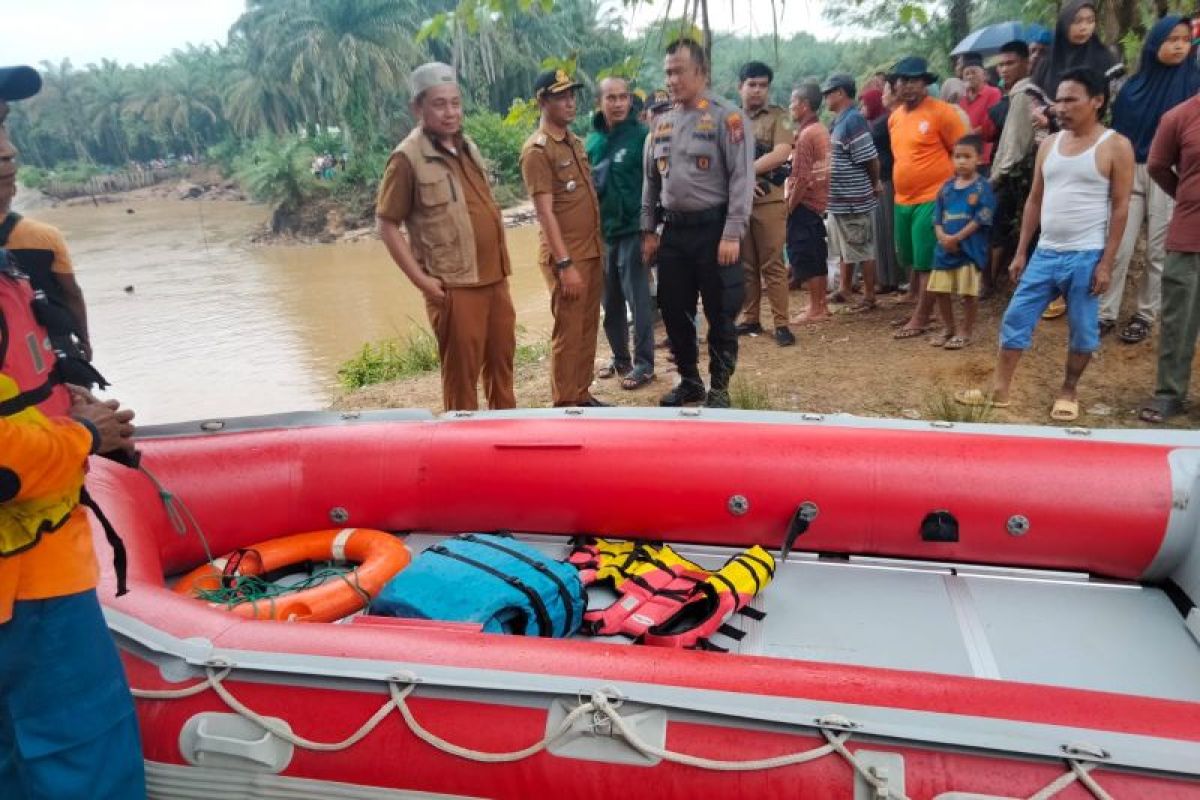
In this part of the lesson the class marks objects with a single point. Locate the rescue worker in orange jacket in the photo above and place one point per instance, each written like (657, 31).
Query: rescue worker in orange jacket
(67, 724)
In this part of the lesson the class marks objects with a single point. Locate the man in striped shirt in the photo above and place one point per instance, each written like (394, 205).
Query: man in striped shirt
(854, 188)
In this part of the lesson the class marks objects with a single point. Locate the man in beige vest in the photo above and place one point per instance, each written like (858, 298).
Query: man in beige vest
(436, 186)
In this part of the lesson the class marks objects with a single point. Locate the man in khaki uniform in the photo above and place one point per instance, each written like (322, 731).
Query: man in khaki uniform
(558, 178)
(436, 185)
(762, 247)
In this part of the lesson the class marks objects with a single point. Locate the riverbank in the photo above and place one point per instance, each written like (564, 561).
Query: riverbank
(851, 364)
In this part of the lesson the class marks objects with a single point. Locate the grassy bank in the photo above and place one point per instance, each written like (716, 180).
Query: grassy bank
(411, 356)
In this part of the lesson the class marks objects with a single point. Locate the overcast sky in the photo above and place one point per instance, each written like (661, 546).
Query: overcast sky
(141, 31)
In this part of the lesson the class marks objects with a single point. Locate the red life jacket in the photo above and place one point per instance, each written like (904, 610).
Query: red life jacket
(25, 352)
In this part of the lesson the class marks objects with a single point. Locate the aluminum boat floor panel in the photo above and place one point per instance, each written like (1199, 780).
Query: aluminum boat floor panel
(1037, 627)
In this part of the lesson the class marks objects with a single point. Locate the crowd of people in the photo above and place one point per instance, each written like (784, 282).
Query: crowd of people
(1013, 184)
(325, 166)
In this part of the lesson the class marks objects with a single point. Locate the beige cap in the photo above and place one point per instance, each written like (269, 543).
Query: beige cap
(426, 76)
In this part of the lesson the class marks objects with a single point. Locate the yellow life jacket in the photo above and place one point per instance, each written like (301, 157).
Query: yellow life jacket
(666, 600)
(23, 522)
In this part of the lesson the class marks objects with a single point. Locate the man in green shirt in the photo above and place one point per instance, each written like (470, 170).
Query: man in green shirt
(615, 148)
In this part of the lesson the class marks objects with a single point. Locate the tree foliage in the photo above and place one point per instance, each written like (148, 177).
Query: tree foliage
(295, 69)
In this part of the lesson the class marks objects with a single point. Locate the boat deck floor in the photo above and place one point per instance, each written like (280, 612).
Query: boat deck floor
(1031, 626)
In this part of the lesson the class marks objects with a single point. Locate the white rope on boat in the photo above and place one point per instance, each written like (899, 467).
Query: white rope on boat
(600, 704)
(1080, 772)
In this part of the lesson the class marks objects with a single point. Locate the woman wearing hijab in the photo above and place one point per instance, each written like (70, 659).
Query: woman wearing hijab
(1167, 76)
(1076, 44)
(876, 107)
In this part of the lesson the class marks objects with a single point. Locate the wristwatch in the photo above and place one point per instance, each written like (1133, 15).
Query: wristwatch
(563, 263)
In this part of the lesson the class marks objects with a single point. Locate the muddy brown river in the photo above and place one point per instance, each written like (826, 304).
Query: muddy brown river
(215, 326)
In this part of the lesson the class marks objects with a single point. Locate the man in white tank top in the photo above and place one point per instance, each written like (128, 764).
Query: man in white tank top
(1080, 196)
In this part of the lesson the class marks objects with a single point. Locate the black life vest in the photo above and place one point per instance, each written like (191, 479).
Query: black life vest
(54, 314)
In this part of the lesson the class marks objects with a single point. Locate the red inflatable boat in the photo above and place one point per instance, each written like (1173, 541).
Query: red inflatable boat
(972, 612)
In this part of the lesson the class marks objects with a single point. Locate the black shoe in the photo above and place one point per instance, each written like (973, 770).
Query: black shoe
(717, 398)
(784, 336)
(592, 402)
(686, 391)
(749, 329)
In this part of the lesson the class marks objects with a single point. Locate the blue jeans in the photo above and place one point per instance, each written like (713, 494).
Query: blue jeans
(627, 281)
(1049, 274)
(67, 725)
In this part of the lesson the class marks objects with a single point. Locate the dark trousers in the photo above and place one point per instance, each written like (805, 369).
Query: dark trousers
(627, 280)
(688, 270)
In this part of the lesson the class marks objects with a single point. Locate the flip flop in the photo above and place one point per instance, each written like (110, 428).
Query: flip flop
(1064, 410)
(610, 369)
(1158, 410)
(957, 343)
(1055, 310)
(941, 340)
(636, 380)
(909, 333)
(976, 398)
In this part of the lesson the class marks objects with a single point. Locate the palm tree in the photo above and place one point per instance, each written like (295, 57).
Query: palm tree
(344, 55)
(61, 97)
(181, 103)
(108, 91)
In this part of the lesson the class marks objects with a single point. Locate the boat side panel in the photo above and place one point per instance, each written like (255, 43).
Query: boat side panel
(392, 757)
(1098, 507)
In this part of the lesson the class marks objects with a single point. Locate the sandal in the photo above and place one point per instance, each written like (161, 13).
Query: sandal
(612, 368)
(976, 398)
(1136, 331)
(862, 305)
(1064, 410)
(941, 340)
(957, 343)
(909, 333)
(636, 379)
(1158, 410)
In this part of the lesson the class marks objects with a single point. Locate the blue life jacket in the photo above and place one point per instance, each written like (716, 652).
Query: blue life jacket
(493, 580)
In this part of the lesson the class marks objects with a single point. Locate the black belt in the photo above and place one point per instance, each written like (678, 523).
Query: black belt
(694, 219)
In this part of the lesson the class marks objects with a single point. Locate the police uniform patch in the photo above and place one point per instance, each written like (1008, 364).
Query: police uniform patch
(706, 122)
(973, 199)
(736, 128)
(662, 164)
(703, 163)
(703, 104)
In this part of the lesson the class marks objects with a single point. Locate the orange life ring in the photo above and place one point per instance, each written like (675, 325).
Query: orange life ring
(378, 554)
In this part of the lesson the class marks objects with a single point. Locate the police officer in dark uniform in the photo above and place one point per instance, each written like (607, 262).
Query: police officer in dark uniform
(700, 187)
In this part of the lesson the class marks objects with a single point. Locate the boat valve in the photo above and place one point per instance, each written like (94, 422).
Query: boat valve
(1018, 525)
